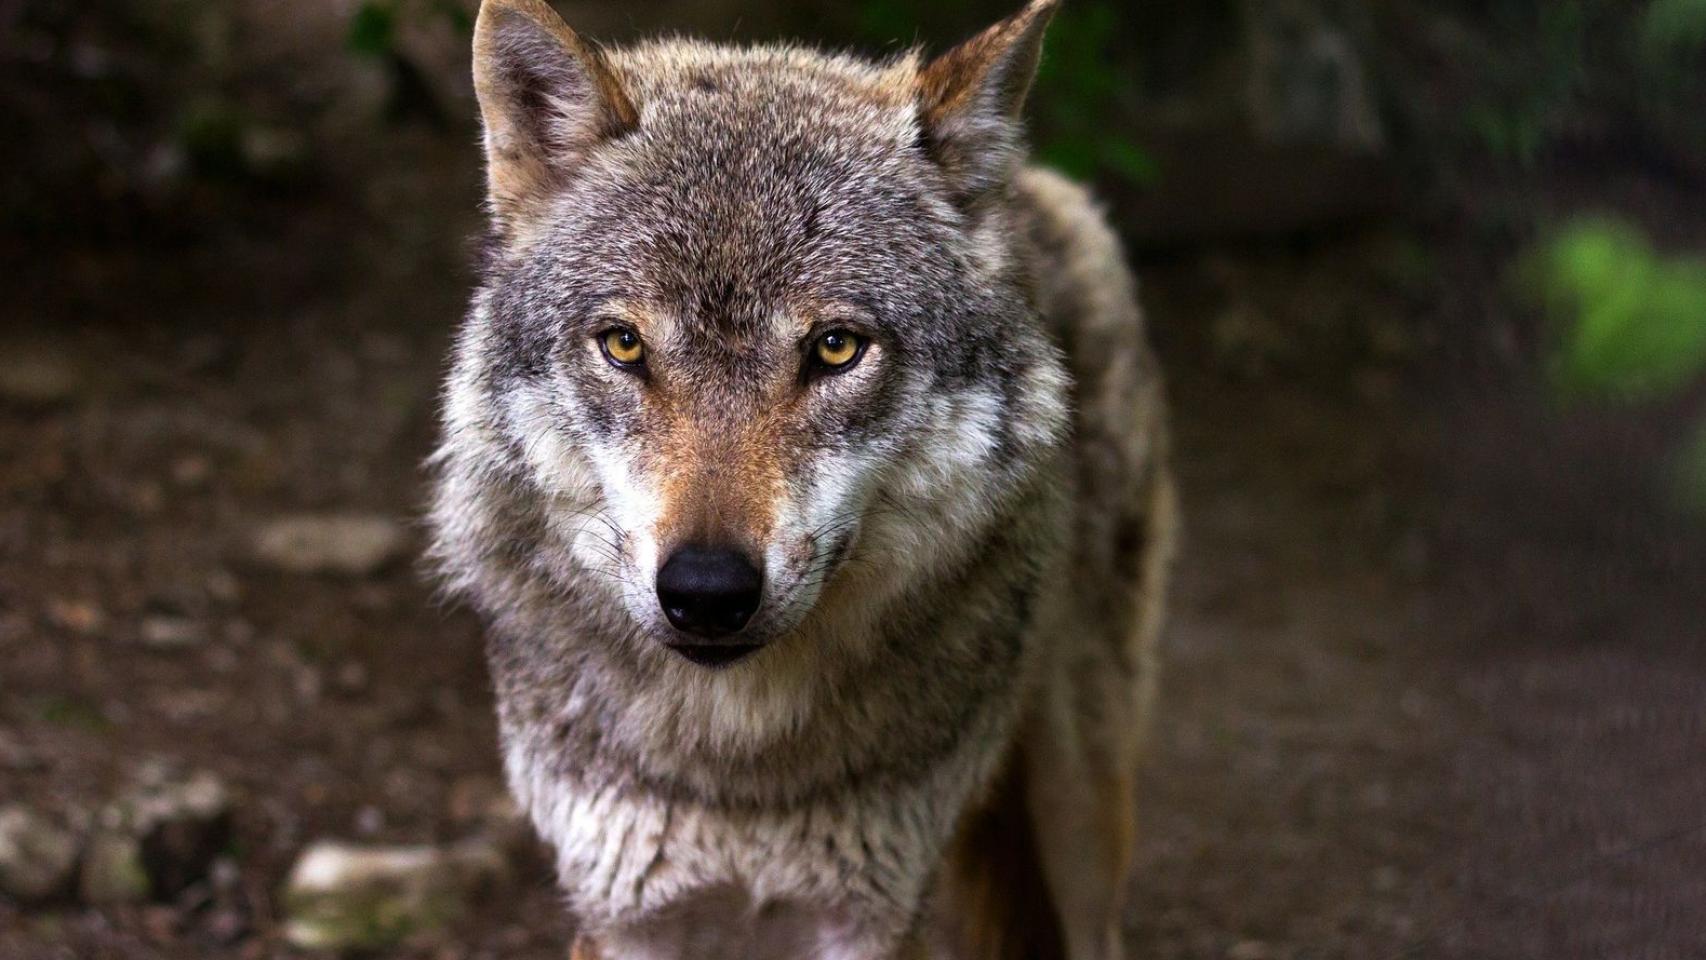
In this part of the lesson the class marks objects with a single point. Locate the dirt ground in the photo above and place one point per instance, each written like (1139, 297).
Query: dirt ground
(1434, 668)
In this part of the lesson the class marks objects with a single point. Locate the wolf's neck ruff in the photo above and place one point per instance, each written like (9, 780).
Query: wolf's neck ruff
(848, 795)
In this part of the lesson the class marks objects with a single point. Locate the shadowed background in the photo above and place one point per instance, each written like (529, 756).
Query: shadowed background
(1430, 283)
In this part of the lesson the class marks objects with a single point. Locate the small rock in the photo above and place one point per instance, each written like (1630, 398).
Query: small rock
(160, 838)
(369, 820)
(76, 615)
(274, 153)
(351, 678)
(348, 898)
(183, 826)
(162, 924)
(226, 926)
(309, 684)
(112, 869)
(38, 374)
(37, 858)
(191, 472)
(223, 587)
(14, 755)
(225, 875)
(172, 633)
(147, 498)
(348, 544)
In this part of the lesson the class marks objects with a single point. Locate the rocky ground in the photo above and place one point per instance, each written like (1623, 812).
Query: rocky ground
(1433, 665)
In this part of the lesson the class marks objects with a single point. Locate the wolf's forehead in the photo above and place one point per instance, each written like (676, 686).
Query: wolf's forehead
(781, 107)
(709, 230)
(666, 70)
(754, 178)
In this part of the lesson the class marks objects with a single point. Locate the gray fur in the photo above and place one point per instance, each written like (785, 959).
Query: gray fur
(989, 545)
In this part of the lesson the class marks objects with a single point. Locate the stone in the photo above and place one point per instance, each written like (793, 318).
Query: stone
(171, 633)
(38, 373)
(15, 755)
(347, 898)
(76, 615)
(113, 873)
(37, 858)
(274, 153)
(159, 838)
(345, 544)
(183, 825)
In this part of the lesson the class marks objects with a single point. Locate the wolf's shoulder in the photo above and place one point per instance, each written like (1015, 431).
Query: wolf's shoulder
(1087, 296)
(1083, 285)
(1075, 252)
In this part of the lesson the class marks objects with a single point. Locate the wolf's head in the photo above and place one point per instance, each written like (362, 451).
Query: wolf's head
(756, 331)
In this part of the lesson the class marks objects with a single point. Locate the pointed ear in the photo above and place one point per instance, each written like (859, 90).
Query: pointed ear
(970, 99)
(546, 97)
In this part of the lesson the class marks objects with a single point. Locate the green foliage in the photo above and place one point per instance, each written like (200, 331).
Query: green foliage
(374, 26)
(453, 13)
(211, 132)
(892, 21)
(373, 29)
(1622, 69)
(1672, 29)
(1078, 97)
(1632, 323)
(1666, 96)
(1510, 132)
(1631, 326)
(1531, 96)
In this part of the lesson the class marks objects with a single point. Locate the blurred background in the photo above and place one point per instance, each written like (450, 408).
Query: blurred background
(1429, 278)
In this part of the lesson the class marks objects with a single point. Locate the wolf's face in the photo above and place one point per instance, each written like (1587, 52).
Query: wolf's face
(754, 328)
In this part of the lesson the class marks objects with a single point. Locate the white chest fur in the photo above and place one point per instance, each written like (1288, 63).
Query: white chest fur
(838, 877)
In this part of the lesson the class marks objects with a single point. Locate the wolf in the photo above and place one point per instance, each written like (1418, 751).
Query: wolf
(804, 455)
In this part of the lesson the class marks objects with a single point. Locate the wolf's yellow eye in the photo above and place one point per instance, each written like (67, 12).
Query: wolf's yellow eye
(837, 349)
(622, 347)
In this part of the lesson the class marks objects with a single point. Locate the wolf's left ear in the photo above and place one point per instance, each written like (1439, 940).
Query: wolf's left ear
(971, 98)
(546, 97)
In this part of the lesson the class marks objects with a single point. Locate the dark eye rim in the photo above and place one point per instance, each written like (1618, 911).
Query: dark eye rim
(602, 338)
(814, 364)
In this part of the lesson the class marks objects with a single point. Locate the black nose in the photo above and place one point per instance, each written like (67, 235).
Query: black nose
(709, 591)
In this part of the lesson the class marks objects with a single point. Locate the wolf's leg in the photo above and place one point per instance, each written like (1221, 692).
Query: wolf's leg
(584, 949)
(1083, 741)
(1082, 807)
(992, 902)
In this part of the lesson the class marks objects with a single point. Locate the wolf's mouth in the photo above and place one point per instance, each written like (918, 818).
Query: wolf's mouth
(714, 654)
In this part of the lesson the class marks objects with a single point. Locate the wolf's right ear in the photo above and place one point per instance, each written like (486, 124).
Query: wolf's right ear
(546, 97)
(971, 97)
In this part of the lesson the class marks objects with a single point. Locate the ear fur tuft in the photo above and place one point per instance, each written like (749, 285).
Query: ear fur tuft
(546, 97)
(971, 98)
